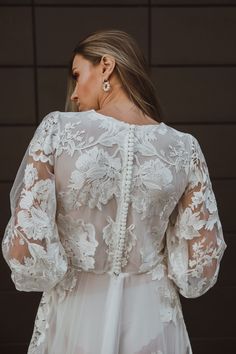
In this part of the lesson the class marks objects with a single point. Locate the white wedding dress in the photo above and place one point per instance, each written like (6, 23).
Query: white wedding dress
(111, 221)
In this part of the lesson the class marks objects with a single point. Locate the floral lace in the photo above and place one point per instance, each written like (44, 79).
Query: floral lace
(195, 242)
(31, 244)
(60, 224)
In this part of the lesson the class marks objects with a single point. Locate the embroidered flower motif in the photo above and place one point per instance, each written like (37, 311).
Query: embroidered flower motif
(158, 272)
(153, 174)
(45, 139)
(79, 241)
(72, 138)
(110, 235)
(149, 179)
(202, 256)
(111, 238)
(34, 218)
(195, 239)
(30, 176)
(189, 225)
(26, 202)
(210, 201)
(41, 323)
(130, 242)
(170, 309)
(152, 250)
(95, 180)
(180, 155)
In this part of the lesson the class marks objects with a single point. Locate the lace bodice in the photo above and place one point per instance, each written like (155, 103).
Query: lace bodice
(100, 195)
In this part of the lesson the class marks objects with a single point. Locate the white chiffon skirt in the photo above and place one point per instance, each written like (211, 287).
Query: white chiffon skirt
(107, 315)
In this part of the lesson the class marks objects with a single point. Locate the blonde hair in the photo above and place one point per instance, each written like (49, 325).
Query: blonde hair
(131, 68)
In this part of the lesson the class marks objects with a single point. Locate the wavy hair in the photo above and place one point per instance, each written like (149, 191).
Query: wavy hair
(131, 68)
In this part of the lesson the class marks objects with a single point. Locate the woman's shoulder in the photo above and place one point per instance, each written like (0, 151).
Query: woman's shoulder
(88, 118)
(56, 115)
(73, 117)
(177, 135)
(74, 114)
(60, 120)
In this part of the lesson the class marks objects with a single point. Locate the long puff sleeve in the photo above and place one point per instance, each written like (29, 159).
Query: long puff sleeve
(31, 244)
(194, 236)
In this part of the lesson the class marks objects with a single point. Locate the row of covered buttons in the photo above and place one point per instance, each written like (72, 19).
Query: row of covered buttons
(125, 206)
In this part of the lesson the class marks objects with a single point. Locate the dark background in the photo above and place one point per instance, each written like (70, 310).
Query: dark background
(191, 49)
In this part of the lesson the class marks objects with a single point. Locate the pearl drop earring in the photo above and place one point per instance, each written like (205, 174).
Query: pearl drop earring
(106, 85)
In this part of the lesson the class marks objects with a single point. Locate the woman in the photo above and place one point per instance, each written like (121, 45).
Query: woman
(113, 213)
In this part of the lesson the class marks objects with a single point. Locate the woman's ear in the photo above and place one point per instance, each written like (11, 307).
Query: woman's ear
(108, 64)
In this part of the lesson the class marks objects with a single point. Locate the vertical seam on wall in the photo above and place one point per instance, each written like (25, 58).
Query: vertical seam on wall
(149, 33)
(35, 62)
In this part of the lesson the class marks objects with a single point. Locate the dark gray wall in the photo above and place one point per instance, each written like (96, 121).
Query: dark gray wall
(190, 46)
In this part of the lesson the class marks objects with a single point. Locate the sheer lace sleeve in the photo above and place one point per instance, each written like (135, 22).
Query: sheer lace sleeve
(31, 244)
(194, 236)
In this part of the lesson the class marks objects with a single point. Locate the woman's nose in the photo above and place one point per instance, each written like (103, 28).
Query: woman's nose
(73, 96)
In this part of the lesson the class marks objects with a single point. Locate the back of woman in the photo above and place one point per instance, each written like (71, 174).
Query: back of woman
(113, 215)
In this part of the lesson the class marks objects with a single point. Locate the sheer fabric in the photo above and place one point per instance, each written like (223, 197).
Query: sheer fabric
(111, 221)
